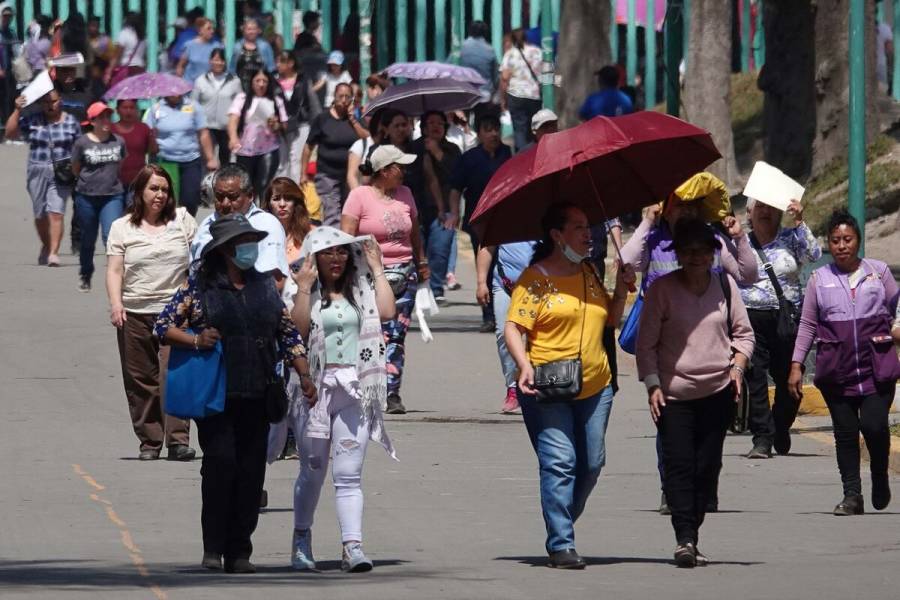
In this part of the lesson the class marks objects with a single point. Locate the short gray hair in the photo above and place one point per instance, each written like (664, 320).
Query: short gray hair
(234, 171)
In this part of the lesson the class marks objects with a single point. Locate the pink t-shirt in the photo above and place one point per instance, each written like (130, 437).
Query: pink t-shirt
(390, 222)
(257, 139)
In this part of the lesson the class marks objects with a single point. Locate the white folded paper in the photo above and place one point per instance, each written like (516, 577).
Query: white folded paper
(39, 87)
(771, 186)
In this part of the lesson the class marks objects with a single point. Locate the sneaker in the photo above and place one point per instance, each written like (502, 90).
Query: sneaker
(211, 561)
(487, 327)
(353, 560)
(52, 260)
(301, 555)
(783, 441)
(702, 559)
(395, 405)
(239, 565)
(440, 300)
(84, 285)
(686, 556)
(760, 451)
(664, 505)
(290, 448)
(566, 559)
(452, 283)
(42, 257)
(852, 504)
(881, 491)
(511, 404)
(148, 455)
(181, 452)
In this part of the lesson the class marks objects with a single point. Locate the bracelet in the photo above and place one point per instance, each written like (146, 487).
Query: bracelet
(196, 342)
(737, 368)
(307, 292)
(378, 274)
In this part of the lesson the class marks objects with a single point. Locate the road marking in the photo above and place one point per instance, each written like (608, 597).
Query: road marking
(134, 553)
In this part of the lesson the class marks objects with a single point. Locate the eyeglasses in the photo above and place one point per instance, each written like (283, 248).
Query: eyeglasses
(226, 196)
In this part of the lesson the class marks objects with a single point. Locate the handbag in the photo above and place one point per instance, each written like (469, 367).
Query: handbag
(125, 71)
(787, 312)
(195, 382)
(398, 277)
(561, 380)
(62, 168)
(629, 333)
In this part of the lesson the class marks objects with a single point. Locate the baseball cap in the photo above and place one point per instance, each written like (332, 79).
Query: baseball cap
(384, 156)
(542, 117)
(95, 110)
(336, 58)
(181, 23)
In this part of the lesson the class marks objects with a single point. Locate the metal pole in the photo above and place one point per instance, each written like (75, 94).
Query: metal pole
(650, 56)
(515, 9)
(99, 11)
(401, 53)
(133, 5)
(440, 29)
(343, 14)
(631, 43)
(62, 11)
(230, 26)
(759, 39)
(746, 42)
(325, 11)
(286, 12)
(115, 19)
(547, 70)
(171, 15)
(82, 8)
(674, 52)
(421, 32)
(152, 36)
(267, 6)
(478, 10)
(557, 11)
(364, 8)
(614, 33)
(857, 156)
(212, 12)
(896, 78)
(456, 24)
(497, 28)
(382, 42)
(47, 8)
(534, 13)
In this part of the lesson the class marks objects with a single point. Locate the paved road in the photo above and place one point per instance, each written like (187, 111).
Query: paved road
(458, 517)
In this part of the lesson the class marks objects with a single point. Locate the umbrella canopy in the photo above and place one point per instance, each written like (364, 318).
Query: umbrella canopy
(148, 85)
(606, 166)
(415, 98)
(434, 70)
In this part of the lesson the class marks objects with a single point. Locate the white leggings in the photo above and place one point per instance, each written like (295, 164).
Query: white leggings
(347, 448)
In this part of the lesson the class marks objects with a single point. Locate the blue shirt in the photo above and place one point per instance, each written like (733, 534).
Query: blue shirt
(479, 55)
(177, 129)
(265, 54)
(473, 171)
(609, 103)
(512, 259)
(197, 52)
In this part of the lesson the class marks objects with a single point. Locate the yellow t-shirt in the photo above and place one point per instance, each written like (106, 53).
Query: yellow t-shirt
(550, 309)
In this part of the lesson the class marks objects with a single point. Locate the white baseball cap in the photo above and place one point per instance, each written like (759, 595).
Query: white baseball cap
(336, 58)
(384, 156)
(542, 117)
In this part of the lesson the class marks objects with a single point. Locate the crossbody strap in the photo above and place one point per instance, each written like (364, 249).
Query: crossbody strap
(726, 291)
(583, 303)
(528, 64)
(767, 265)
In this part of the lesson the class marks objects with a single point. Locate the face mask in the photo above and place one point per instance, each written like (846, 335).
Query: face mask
(245, 255)
(572, 255)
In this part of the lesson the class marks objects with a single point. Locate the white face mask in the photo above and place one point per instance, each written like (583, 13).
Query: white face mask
(573, 256)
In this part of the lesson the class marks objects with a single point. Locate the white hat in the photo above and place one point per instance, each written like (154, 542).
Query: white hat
(542, 117)
(384, 156)
(336, 58)
(181, 22)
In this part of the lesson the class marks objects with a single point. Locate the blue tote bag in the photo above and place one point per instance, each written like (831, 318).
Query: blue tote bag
(629, 332)
(195, 383)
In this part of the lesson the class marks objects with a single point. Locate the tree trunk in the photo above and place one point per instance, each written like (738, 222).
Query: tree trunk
(787, 79)
(832, 80)
(707, 84)
(583, 49)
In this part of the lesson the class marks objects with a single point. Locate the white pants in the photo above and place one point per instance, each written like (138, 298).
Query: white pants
(290, 152)
(347, 450)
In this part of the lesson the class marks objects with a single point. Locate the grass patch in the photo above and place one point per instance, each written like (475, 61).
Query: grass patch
(746, 112)
(895, 429)
(836, 172)
(879, 178)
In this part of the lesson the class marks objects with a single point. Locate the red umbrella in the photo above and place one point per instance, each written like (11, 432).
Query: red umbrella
(606, 166)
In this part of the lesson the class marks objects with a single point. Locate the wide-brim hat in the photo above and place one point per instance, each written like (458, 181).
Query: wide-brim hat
(710, 191)
(324, 237)
(224, 229)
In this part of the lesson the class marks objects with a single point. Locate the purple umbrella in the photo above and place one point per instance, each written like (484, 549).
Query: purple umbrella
(148, 85)
(415, 98)
(435, 70)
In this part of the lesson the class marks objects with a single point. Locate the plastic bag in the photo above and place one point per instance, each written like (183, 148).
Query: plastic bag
(425, 302)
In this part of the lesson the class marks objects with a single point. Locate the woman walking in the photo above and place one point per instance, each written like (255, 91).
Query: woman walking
(342, 299)
(848, 311)
(50, 134)
(130, 52)
(251, 54)
(195, 57)
(560, 307)
(255, 120)
(214, 92)
(301, 105)
(139, 142)
(386, 210)
(99, 194)
(148, 255)
(228, 300)
(284, 199)
(693, 347)
(781, 253)
(520, 89)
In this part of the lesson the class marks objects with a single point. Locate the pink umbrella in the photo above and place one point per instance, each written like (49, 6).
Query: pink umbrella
(640, 11)
(149, 85)
(434, 70)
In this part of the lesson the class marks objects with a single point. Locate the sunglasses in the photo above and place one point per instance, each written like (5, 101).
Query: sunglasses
(230, 197)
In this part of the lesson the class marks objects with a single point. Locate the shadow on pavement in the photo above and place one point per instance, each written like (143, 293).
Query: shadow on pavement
(541, 561)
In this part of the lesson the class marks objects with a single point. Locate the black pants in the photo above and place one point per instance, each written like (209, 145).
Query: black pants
(771, 356)
(852, 415)
(262, 170)
(692, 434)
(487, 312)
(234, 468)
(220, 139)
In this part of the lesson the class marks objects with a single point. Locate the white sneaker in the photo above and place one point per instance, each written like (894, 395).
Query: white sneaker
(301, 551)
(353, 560)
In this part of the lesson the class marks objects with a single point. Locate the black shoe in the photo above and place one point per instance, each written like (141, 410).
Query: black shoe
(664, 506)
(181, 452)
(712, 506)
(84, 284)
(264, 499)
(211, 561)
(395, 405)
(566, 559)
(239, 565)
(783, 441)
(881, 491)
(686, 556)
(702, 559)
(487, 327)
(852, 504)
(148, 455)
(760, 450)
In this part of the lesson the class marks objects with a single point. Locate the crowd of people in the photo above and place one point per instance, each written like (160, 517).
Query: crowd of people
(326, 224)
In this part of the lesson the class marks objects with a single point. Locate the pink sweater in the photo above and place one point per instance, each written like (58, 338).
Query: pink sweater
(683, 339)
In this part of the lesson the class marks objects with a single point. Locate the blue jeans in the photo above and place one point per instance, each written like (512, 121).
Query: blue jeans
(520, 111)
(507, 363)
(95, 212)
(454, 252)
(569, 439)
(438, 249)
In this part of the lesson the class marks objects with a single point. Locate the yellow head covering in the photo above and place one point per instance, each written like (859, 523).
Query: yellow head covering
(704, 186)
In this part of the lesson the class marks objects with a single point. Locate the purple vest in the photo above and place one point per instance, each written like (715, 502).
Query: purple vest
(662, 258)
(849, 360)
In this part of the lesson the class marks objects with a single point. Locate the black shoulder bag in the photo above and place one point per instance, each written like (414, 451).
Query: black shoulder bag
(561, 380)
(787, 312)
(742, 411)
(62, 168)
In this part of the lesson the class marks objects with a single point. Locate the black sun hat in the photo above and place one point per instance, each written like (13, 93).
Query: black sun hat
(224, 229)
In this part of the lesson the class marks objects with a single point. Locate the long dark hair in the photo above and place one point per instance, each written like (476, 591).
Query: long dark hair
(556, 217)
(136, 22)
(137, 187)
(299, 225)
(74, 35)
(249, 95)
(344, 283)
